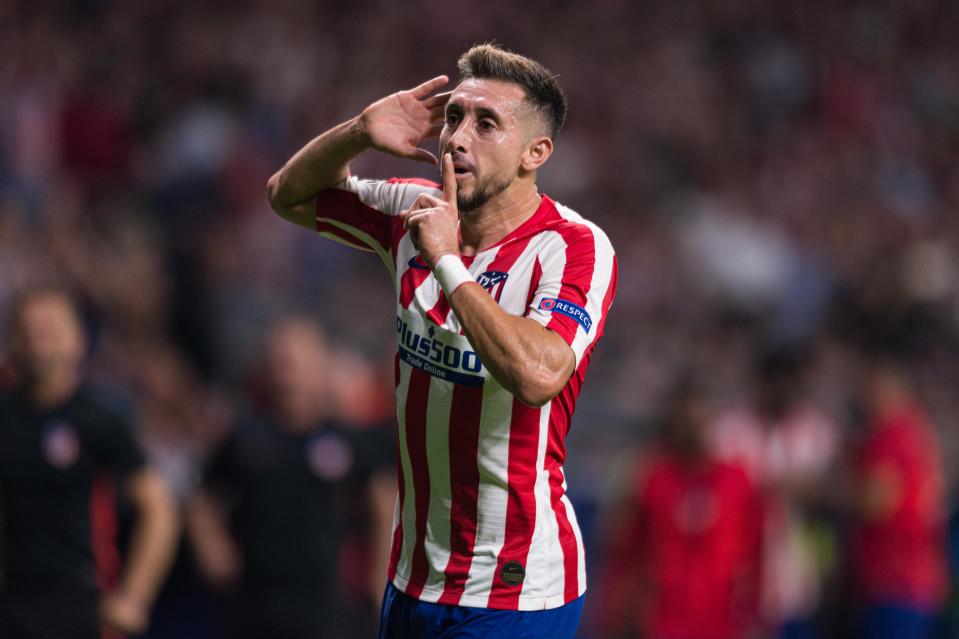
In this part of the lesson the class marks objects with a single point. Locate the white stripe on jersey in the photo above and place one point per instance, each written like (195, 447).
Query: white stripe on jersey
(389, 198)
(437, 540)
(493, 456)
(580, 548)
(409, 503)
(539, 578)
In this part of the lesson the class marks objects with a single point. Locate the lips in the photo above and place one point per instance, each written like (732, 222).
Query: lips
(462, 168)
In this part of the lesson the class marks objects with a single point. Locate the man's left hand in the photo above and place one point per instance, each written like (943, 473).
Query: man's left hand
(433, 222)
(124, 612)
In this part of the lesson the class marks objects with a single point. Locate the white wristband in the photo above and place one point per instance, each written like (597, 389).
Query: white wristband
(450, 272)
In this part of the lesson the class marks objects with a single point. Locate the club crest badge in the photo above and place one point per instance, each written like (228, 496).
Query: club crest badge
(493, 282)
(61, 445)
(513, 573)
(330, 457)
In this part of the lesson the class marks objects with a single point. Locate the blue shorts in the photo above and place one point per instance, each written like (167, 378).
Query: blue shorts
(403, 617)
(895, 621)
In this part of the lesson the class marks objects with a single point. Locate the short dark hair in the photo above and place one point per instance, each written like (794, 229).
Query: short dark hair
(491, 62)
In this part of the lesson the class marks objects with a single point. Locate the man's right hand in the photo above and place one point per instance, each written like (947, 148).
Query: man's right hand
(398, 123)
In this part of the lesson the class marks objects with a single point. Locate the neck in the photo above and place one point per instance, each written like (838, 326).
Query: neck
(54, 389)
(301, 417)
(504, 213)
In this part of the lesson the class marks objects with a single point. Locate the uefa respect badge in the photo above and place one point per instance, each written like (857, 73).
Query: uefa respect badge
(567, 308)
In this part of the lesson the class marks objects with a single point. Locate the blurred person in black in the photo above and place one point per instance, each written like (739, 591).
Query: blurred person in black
(57, 440)
(269, 521)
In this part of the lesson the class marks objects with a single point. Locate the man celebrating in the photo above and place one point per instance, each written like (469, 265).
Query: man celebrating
(502, 294)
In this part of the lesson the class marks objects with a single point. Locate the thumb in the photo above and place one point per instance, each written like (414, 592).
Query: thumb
(449, 180)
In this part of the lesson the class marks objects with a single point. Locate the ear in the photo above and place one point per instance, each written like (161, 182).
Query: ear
(537, 152)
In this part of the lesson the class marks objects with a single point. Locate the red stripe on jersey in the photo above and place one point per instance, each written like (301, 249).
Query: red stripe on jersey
(419, 388)
(464, 428)
(520, 502)
(440, 310)
(412, 279)
(396, 228)
(340, 234)
(503, 262)
(556, 453)
(577, 275)
(534, 279)
(398, 533)
(346, 207)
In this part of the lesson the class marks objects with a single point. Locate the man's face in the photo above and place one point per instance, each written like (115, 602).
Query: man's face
(296, 363)
(47, 337)
(488, 125)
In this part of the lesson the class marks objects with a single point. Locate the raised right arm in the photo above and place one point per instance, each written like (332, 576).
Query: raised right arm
(396, 124)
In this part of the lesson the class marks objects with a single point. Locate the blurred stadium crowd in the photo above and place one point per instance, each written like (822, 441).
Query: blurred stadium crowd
(781, 184)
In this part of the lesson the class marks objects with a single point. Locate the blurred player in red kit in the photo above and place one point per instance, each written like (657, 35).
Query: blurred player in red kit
(501, 295)
(898, 547)
(684, 560)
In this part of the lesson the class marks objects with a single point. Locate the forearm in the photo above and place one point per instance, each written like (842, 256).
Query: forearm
(154, 539)
(527, 359)
(215, 550)
(322, 163)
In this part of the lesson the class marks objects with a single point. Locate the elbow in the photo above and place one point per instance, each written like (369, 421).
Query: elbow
(272, 194)
(536, 389)
(280, 205)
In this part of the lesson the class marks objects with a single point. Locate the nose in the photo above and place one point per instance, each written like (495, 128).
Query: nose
(458, 139)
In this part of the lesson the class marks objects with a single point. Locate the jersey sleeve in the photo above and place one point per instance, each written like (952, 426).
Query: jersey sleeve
(363, 213)
(576, 286)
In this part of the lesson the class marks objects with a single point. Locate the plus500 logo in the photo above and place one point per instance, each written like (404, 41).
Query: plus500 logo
(436, 351)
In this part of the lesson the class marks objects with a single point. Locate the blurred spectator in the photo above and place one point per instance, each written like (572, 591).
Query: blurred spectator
(789, 448)
(269, 521)
(898, 549)
(684, 562)
(61, 450)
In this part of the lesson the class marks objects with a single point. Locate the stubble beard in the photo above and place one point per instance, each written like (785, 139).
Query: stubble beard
(480, 196)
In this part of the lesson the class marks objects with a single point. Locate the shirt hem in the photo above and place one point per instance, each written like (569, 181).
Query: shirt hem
(525, 604)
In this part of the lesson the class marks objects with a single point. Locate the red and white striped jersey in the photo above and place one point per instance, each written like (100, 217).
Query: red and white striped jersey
(482, 517)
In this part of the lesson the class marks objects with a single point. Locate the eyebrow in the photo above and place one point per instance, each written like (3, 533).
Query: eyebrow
(481, 112)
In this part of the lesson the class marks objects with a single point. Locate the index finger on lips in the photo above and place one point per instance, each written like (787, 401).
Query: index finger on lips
(449, 180)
